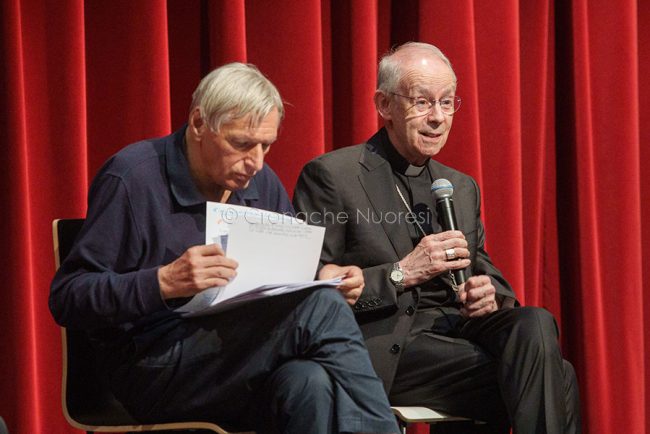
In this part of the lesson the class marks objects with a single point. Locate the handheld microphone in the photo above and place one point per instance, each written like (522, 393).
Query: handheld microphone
(442, 190)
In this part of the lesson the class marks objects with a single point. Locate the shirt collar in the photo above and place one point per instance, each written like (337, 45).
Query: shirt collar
(180, 177)
(398, 163)
(247, 195)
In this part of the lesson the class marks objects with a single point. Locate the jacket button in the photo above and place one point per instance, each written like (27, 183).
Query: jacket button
(395, 349)
(410, 310)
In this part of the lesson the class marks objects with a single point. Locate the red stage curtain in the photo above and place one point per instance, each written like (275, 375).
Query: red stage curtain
(554, 100)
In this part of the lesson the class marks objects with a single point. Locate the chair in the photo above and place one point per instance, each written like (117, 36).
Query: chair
(411, 414)
(88, 403)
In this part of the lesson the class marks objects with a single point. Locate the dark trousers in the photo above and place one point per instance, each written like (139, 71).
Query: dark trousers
(294, 363)
(505, 369)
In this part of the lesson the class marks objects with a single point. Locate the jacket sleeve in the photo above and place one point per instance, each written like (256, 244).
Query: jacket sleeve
(320, 200)
(482, 264)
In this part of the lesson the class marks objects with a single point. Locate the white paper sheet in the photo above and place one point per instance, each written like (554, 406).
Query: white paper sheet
(276, 254)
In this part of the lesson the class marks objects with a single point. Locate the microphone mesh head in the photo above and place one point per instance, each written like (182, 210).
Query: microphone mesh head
(442, 188)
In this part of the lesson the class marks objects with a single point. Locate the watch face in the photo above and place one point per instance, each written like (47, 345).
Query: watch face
(397, 276)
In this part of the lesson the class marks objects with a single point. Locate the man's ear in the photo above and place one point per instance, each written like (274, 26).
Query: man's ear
(382, 104)
(196, 124)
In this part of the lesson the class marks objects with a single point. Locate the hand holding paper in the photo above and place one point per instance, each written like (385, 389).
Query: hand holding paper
(351, 276)
(275, 254)
(199, 268)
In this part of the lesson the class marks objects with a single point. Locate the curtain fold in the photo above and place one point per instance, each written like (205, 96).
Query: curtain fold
(226, 23)
(605, 216)
(643, 36)
(284, 41)
(43, 172)
(538, 156)
(127, 74)
(555, 102)
(354, 62)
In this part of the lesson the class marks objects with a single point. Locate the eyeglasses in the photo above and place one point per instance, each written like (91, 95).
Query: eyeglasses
(448, 105)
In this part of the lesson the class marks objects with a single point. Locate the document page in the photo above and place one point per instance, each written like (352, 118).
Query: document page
(276, 254)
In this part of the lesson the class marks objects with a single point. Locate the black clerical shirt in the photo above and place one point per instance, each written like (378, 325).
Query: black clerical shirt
(414, 184)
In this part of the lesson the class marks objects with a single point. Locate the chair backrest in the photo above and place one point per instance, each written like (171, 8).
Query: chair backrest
(88, 402)
(87, 397)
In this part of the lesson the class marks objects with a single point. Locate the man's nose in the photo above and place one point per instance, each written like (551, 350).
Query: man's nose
(435, 114)
(255, 158)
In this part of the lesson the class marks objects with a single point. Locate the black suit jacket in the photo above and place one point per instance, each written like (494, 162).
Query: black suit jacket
(351, 191)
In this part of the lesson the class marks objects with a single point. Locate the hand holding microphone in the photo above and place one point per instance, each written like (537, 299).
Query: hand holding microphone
(478, 295)
(442, 191)
(439, 253)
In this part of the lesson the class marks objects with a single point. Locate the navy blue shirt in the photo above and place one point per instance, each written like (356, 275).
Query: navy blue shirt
(144, 211)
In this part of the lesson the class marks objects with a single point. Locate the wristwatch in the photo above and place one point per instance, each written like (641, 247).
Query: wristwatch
(397, 276)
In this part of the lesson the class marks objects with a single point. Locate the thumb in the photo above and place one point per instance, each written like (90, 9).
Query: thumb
(462, 294)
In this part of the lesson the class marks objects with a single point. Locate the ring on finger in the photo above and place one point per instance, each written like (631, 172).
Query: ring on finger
(451, 254)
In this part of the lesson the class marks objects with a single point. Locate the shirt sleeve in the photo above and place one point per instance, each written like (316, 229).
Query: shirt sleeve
(101, 282)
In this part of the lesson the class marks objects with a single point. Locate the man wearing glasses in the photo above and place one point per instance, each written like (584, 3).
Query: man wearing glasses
(464, 348)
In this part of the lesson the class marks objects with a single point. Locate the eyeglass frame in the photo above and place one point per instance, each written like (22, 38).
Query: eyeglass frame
(432, 103)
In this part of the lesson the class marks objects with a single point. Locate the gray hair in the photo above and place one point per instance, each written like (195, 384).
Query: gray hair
(390, 67)
(233, 91)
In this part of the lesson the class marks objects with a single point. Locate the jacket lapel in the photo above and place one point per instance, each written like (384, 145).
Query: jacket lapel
(435, 224)
(377, 182)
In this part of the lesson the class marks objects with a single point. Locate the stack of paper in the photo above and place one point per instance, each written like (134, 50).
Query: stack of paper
(276, 254)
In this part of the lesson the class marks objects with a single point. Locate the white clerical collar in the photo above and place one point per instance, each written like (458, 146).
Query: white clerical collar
(412, 170)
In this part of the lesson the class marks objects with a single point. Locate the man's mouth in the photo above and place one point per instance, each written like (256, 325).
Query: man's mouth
(431, 134)
(244, 178)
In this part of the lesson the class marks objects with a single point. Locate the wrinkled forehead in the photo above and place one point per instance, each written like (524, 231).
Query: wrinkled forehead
(254, 126)
(426, 72)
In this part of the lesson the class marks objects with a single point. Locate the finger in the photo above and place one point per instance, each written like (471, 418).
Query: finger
(220, 273)
(351, 272)
(328, 271)
(351, 289)
(458, 264)
(476, 283)
(454, 243)
(478, 280)
(481, 293)
(219, 261)
(352, 295)
(480, 303)
(456, 252)
(474, 313)
(207, 250)
(212, 282)
(446, 235)
(351, 282)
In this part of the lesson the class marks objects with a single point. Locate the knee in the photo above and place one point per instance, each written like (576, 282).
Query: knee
(328, 297)
(299, 393)
(302, 381)
(570, 377)
(569, 371)
(328, 302)
(537, 322)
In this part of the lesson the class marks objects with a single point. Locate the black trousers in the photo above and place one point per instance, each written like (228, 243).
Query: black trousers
(505, 369)
(293, 363)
